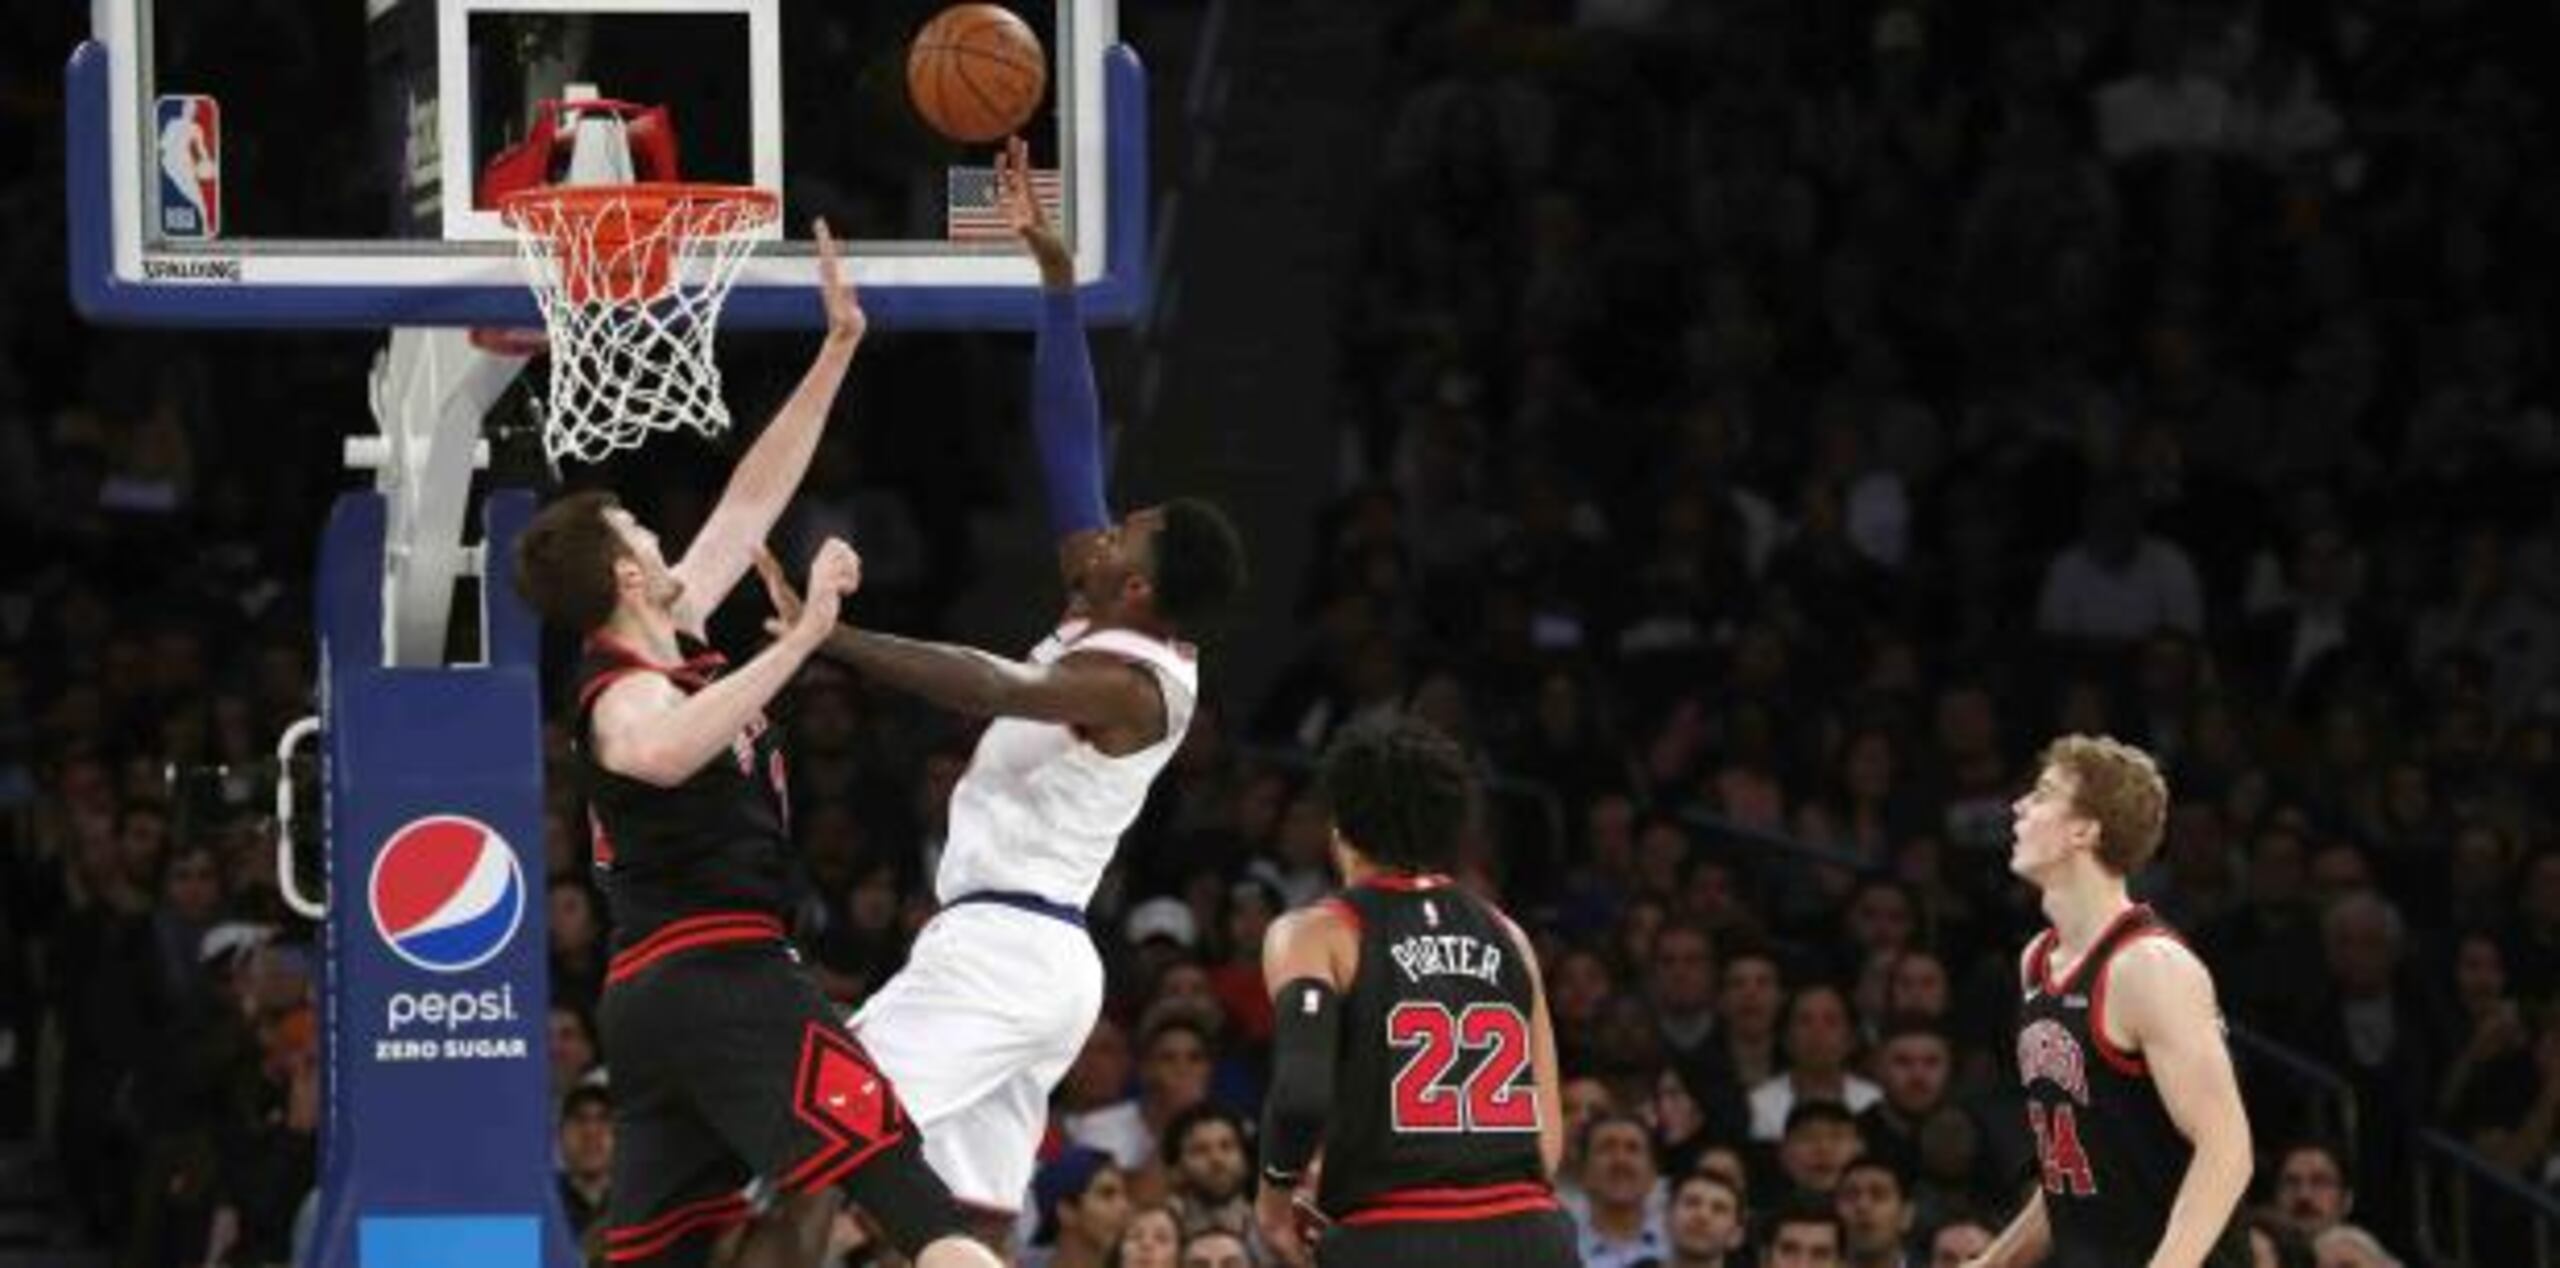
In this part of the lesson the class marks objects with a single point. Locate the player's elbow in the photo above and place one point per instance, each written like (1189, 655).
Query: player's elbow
(2225, 1146)
(2240, 1153)
(2231, 1123)
(1305, 1044)
(1299, 1106)
(992, 693)
(1000, 690)
(1294, 1115)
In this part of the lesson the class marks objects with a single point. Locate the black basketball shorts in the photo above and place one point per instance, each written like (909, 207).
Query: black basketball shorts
(729, 1065)
(1532, 1239)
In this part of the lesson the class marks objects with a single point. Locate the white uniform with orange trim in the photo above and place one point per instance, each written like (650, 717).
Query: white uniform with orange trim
(998, 995)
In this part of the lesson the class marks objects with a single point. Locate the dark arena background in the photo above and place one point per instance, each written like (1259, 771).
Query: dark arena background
(1752, 428)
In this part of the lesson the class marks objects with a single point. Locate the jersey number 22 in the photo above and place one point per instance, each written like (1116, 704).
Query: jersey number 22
(1488, 1101)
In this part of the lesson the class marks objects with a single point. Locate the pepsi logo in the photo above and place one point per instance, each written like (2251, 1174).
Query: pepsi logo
(447, 893)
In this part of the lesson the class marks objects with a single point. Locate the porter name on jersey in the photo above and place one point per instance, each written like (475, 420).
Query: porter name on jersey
(1447, 955)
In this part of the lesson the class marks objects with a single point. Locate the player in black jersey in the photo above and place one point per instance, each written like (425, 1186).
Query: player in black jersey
(1413, 1045)
(2143, 1143)
(729, 1064)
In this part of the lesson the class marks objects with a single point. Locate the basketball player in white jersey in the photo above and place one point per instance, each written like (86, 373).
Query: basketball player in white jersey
(1004, 984)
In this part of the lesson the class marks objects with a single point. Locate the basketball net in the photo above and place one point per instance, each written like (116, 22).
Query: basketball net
(630, 277)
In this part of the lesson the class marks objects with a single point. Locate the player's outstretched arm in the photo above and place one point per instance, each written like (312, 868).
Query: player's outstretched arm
(2164, 996)
(2025, 1242)
(646, 729)
(1089, 690)
(1309, 957)
(1066, 411)
(765, 479)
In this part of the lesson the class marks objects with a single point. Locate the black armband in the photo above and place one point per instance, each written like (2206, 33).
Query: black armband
(1306, 1037)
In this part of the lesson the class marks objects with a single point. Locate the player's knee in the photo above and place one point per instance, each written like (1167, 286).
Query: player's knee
(792, 1231)
(804, 1220)
(910, 1208)
(992, 1229)
(959, 1252)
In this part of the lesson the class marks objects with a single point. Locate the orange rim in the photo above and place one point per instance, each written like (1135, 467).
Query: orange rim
(646, 202)
(615, 242)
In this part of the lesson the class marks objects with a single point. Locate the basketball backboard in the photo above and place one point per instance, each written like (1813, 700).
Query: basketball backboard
(317, 163)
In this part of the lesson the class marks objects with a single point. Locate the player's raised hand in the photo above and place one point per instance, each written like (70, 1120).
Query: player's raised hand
(846, 321)
(835, 573)
(1023, 213)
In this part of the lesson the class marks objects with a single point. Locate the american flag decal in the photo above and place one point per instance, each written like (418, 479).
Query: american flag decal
(970, 210)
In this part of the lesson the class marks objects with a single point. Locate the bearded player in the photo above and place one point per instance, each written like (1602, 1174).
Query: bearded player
(1003, 984)
(1411, 1045)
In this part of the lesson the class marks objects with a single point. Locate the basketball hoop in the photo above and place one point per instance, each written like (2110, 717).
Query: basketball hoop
(630, 279)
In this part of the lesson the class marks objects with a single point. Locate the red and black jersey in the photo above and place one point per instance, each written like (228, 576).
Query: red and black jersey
(1435, 1114)
(2112, 1157)
(704, 862)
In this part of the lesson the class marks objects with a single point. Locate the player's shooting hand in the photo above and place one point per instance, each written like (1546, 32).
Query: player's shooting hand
(846, 321)
(1023, 213)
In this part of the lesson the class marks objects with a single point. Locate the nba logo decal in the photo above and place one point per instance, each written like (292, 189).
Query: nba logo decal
(190, 142)
(447, 893)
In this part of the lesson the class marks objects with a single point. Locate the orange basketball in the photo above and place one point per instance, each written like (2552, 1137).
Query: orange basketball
(976, 72)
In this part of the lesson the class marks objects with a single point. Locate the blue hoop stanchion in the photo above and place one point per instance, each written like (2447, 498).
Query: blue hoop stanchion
(436, 1146)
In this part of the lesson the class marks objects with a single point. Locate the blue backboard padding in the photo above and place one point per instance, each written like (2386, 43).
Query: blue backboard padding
(99, 295)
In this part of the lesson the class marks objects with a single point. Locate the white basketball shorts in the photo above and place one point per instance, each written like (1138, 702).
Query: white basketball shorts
(992, 1007)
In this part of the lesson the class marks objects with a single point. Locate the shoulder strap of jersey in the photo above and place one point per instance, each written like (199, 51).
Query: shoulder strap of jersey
(700, 657)
(1339, 903)
(609, 660)
(1056, 642)
(1353, 905)
(2138, 922)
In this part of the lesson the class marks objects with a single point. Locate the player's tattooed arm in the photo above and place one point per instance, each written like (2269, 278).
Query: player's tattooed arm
(1314, 953)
